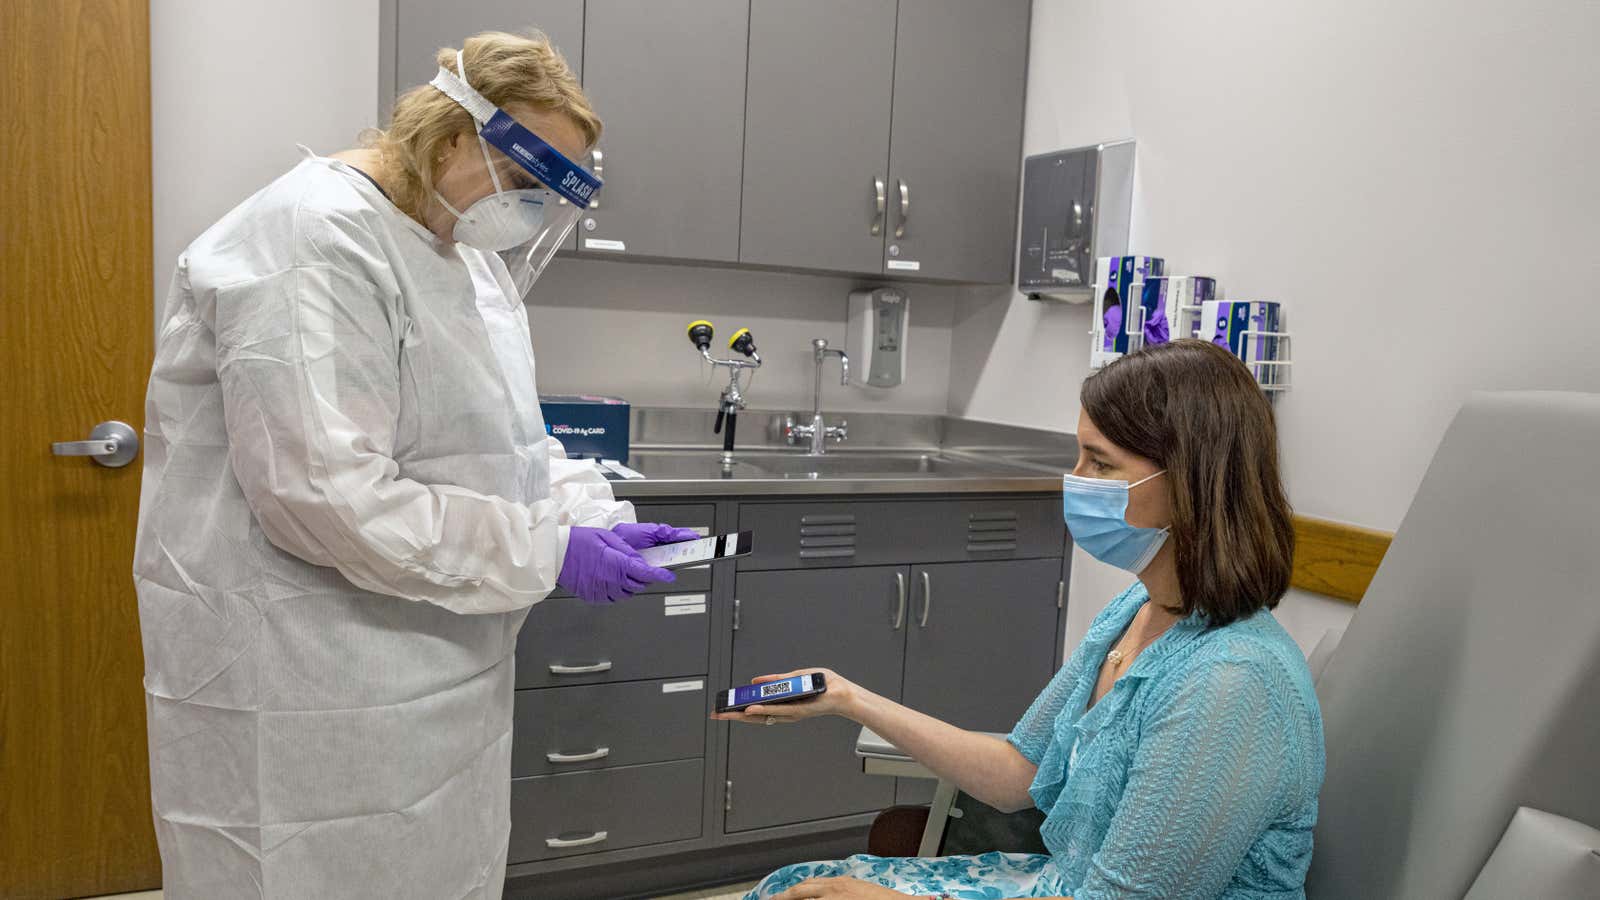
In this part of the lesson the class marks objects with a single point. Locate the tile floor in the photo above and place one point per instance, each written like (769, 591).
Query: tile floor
(726, 892)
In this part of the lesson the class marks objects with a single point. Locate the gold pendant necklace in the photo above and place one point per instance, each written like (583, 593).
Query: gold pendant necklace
(1116, 657)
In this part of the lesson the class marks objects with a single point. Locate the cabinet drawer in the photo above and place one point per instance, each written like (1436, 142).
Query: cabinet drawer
(608, 725)
(590, 812)
(699, 516)
(567, 641)
(855, 533)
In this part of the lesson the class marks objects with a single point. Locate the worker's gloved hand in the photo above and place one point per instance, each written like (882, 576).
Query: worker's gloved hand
(600, 567)
(650, 534)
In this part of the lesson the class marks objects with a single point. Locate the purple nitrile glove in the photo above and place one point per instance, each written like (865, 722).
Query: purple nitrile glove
(649, 534)
(600, 567)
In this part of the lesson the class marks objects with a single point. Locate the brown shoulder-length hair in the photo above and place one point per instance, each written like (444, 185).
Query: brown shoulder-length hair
(1194, 409)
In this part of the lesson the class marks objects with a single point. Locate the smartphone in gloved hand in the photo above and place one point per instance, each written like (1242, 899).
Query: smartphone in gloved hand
(699, 551)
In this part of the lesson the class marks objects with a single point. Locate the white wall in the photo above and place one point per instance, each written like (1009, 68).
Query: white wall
(620, 327)
(1414, 181)
(235, 86)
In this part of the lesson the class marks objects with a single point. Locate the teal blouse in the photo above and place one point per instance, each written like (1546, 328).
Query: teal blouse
(1196, 776)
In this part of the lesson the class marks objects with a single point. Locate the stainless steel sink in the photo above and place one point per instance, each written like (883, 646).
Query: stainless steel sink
(866, 464)
(691, 471)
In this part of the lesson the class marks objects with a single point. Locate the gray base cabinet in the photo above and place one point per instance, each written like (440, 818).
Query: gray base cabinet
(843, 620)
(619, 778)
(980, 643)
(589, 812)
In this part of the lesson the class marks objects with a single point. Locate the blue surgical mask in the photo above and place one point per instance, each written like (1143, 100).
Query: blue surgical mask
(1096, 512)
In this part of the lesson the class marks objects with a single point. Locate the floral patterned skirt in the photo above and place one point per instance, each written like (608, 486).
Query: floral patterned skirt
(992, 875)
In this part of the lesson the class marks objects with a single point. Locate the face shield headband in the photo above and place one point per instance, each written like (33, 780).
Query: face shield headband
(567, 179)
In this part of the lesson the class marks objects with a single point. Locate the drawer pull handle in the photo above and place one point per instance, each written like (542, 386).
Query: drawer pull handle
(828, 520)
(560, 844)
(567, 758)
(558, 669)
(840, 553)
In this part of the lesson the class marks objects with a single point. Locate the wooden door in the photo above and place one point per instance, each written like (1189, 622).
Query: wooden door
(75, 327)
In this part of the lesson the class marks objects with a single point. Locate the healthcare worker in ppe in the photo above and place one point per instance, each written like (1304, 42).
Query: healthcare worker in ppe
(350, 500)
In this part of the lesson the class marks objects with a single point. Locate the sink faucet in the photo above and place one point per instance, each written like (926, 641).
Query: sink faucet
(817, 433)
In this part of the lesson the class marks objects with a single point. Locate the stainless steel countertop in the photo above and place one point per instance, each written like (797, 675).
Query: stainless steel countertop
(896, 454)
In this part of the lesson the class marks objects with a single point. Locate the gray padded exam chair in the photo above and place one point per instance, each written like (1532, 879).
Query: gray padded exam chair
(1467, 685)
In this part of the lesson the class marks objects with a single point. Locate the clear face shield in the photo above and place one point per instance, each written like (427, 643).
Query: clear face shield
(539, 193)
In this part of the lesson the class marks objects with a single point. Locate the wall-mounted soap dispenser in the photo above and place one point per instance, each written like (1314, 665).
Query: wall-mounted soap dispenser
(876, 336)
(1076, 206)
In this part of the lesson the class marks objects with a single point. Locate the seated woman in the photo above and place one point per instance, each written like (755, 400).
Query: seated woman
(1178, 753)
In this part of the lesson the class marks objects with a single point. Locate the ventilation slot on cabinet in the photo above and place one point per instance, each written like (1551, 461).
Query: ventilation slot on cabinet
(992, 532)
(827, 537)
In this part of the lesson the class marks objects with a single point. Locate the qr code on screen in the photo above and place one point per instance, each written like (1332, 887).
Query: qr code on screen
(775, 688)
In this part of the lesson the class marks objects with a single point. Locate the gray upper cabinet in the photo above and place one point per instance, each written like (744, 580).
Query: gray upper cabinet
(875, 137)
(424, 26)
(667, 78)
(816, 145)
(956, 149)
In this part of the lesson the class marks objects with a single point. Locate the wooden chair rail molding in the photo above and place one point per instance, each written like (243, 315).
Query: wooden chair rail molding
(1336, 559)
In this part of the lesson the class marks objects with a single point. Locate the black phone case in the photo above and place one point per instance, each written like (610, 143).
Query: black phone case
(817, 691)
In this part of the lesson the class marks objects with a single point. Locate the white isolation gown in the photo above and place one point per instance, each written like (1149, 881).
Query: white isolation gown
(349, 504)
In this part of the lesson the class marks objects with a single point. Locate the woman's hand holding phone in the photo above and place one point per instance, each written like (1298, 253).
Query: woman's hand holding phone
(840, 700)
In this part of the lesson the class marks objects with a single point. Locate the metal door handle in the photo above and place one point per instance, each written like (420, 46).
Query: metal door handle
(559, 844)
(927, 598)
(112, 444)
(900, 608)
(905, 209)
(557, 669)
(599, 170)
(591, 756)
(881, 205)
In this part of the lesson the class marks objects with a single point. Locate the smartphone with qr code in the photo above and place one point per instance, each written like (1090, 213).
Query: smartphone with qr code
(797, 688)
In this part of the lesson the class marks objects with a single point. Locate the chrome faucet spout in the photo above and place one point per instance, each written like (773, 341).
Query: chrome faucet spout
(817, 433)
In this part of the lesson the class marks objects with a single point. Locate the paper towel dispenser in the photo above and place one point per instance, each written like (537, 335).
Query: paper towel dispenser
(1076, 206)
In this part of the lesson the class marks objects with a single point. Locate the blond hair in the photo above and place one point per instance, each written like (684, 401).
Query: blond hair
(506, 69)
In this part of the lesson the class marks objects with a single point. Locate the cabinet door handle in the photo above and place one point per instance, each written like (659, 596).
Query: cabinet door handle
(927, 598)
(905, 208)
(568, 758)
(900, 607)
(559, 844)
(558, 669)
(599, 172)
(881, 206)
